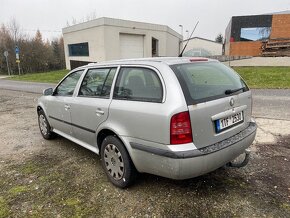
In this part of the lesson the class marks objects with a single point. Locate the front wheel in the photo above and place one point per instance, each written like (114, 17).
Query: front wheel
(44, 126)
(116, 162)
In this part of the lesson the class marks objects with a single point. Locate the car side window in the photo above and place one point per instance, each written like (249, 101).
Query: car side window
(138, 84)
(97, 83)
(67, 86)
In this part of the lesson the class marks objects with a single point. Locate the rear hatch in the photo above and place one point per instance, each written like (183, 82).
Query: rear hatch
(219, 101)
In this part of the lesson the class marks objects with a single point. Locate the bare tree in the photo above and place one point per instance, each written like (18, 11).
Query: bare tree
(36, 54)
(91, 16)
(14, 29)
(74, 21)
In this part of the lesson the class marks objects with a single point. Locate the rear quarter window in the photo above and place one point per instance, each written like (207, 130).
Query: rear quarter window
(206, 81)
(138, 84)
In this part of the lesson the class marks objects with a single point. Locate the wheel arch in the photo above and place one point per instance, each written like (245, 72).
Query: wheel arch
(40, 107)
(102, 134)
(41, 110)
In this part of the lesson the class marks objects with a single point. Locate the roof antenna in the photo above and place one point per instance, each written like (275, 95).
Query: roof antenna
(180, 55)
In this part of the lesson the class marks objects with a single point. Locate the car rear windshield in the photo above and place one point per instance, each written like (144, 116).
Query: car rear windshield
(207, 81)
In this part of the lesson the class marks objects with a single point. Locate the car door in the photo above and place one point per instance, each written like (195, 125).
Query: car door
(90, 107)
(58, 108)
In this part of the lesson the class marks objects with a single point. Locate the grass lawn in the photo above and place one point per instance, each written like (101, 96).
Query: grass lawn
(256, 77)
(265, 77)
(46, 77)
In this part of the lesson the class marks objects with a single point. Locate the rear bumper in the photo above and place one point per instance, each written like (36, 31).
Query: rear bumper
(189, 163)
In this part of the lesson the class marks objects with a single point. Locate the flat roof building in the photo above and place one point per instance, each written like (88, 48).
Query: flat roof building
(259, 35)
(105, 39)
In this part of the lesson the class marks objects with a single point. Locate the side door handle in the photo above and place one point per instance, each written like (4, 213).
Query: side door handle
(66, 107)
(100, 112)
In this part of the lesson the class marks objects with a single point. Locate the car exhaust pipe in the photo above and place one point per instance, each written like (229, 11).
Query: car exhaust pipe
(240, 161)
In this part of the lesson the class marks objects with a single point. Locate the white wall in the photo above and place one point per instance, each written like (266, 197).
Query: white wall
(95, 38)
(112, 41)
(172, 46)
(104, 43)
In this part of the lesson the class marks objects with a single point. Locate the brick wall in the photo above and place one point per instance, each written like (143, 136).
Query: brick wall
(280, 26)
(245, 48)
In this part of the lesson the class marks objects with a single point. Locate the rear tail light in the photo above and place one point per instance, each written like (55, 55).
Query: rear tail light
(180, 128)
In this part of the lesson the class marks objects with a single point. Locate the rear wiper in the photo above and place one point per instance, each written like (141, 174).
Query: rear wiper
(231, 91)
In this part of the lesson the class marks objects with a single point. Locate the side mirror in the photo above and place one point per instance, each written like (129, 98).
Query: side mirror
(48, 91)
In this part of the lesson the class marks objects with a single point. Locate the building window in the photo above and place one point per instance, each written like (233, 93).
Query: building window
(255, 34)
(80, 49)
(155, 47)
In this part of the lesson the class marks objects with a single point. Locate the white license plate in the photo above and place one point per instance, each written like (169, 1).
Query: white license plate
(229, 121)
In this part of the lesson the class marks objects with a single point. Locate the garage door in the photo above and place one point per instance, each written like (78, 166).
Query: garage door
(131, 46)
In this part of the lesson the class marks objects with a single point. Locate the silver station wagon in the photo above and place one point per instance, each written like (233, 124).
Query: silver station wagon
(173, 117)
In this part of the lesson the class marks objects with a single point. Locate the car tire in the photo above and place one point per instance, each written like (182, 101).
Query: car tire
(44, 127)
(116, 162)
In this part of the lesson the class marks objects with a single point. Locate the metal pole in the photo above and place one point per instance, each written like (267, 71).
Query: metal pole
(181, 41)
(18, 68)
(15, 47)
(181, 30)
(7, 65)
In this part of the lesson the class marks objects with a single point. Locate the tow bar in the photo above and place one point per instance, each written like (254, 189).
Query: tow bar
(240, 161)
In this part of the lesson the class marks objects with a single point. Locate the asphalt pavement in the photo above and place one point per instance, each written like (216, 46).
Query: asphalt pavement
(271, 103)
(267, 103)
(24, 86)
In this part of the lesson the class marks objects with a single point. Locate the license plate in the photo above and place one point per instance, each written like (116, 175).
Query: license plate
(228, 122)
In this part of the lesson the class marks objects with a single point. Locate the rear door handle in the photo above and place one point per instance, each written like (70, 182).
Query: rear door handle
(100, 112)
(66, 107)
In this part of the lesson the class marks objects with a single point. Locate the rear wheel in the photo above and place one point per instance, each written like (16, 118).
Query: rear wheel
(116, 162)
(44, 126)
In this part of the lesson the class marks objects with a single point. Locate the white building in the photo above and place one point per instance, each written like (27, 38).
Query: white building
(202, 47)
(106, 39)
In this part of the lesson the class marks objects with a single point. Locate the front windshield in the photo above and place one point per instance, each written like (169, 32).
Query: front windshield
(207, 80)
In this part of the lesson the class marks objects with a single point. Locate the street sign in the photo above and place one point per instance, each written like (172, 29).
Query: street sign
(16, 50)
(17, 58)
(6, 54)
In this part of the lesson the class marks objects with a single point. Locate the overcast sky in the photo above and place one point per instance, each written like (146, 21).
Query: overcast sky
(213, 15)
